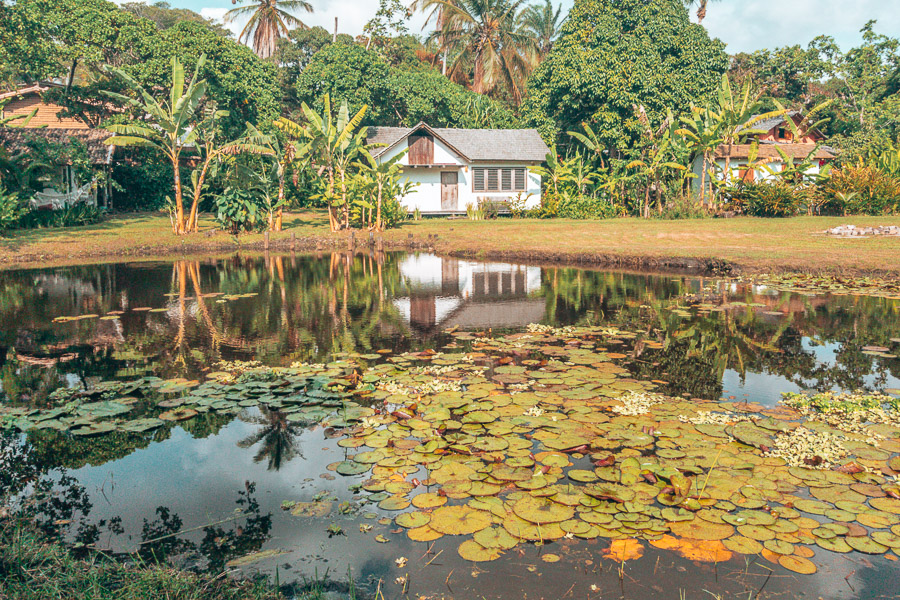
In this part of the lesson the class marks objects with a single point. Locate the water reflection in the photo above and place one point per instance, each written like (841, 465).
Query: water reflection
(275, 439)
(703, 337)
(446, 292)
(180, 319)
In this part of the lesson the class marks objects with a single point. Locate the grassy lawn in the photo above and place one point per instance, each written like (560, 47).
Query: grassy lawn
(754, 244)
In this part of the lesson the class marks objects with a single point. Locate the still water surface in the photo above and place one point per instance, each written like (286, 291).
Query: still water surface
(720, 339)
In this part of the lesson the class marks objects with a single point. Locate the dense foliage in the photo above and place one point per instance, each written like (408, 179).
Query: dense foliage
(629, 92)
(614, 56)
(395, 96)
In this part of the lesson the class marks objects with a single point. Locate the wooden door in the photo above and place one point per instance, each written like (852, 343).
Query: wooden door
(450, 190)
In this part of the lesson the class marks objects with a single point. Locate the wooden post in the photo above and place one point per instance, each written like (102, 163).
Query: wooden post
(266, 241)
(380, 242)
(371, 239)
(293, 241)
(351, 243)
(334, 37)
(409, 240)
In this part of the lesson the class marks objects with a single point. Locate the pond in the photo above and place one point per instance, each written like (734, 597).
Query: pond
(421, 426)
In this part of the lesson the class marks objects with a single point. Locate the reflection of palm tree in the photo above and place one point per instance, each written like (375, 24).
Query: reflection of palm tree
(277, 437)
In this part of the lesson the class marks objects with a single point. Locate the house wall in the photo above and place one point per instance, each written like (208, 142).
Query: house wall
(737, 164)
(426, 196)
(46, 116)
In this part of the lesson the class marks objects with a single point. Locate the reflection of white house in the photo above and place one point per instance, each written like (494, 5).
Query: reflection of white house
(444, 292)
(768, 147)
(455, 168)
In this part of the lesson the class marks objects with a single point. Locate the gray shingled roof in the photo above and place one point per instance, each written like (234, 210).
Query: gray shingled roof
(768, 124)
(477, 145)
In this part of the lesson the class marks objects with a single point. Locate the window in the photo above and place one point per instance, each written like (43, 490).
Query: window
(494, 179)
(478, 180)
(492, 184)
(520, 180)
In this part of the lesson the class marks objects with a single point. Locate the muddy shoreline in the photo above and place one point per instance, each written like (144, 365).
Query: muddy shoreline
(219, 248)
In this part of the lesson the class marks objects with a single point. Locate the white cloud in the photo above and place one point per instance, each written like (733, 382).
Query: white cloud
(749, 26)
(213, 13)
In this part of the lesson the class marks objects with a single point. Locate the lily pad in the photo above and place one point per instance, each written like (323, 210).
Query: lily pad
(473, 551)
(459, 520)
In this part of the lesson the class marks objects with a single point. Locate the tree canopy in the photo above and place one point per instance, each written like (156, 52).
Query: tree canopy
(616, 55)
(394, 96)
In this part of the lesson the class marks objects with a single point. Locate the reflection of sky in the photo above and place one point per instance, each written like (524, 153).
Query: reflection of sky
(199, 480)
(766, 388)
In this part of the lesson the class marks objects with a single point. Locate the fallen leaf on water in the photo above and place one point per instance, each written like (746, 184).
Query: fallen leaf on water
(624, 550)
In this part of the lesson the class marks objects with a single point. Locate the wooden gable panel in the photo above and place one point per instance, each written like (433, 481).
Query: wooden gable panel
(421, 149)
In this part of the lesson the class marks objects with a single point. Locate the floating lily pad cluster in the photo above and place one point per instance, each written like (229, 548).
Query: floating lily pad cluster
(541, 436)
(117, 314)
(306, 393)
(828, 284)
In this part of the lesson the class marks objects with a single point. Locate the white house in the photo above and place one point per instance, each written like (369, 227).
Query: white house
(777, 136)
(456, 168)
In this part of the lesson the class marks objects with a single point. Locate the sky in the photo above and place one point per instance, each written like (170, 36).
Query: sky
(744, 25)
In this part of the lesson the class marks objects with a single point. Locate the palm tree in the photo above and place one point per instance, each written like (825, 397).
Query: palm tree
(269, 21)
(543, 23)
(701, 8)
(486, 36)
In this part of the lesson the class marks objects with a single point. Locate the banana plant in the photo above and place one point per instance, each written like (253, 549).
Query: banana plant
(701, 131)
(286, 156)
(556, 171)
(334, 143)
(177, 126)
(168, 127)
(656, 157)
(591, 141)
(653, 167)
(211, 153)
(738, 116)
(384, 177)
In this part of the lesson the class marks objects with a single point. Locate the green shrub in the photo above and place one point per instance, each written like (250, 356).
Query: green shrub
(239, 210)
(71, 216)
(769, 199)
(576, 206)
(144, 187)
(392, 213)
(683, 207)
(11, 209)
(860, 189)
